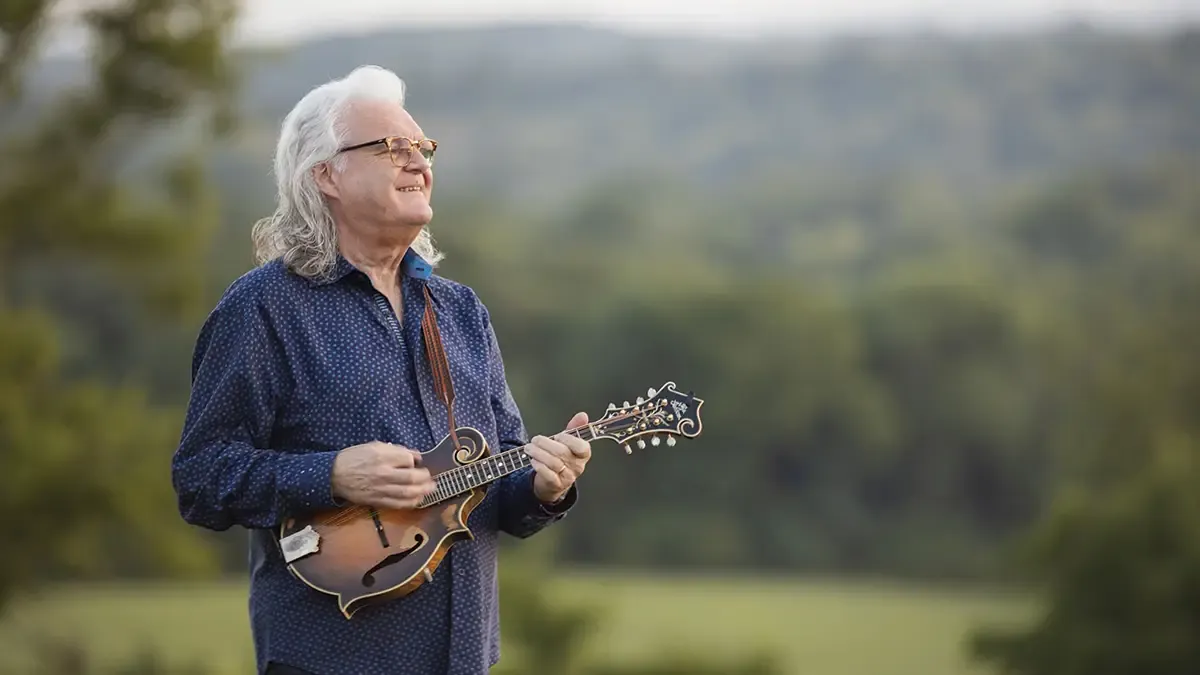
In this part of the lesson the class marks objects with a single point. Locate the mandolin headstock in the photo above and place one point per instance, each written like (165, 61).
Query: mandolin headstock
(664, 413)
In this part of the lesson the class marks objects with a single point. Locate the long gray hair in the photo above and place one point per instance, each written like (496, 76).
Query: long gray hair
(301, 230)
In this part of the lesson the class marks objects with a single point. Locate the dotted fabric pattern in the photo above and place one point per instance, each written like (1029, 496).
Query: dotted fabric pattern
(286, 372)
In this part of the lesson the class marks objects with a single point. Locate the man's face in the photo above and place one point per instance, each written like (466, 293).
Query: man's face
(372, 192)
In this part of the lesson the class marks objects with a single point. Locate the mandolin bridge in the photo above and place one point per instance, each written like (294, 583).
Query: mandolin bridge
(379, 528)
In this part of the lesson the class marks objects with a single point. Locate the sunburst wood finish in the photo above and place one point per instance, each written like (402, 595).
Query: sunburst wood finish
(365, 556)
(361, 567)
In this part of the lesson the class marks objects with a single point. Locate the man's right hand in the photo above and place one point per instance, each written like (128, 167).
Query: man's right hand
(381, 474)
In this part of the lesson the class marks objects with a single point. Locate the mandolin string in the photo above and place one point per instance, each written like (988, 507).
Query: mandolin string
(574, 432)
(353, 512)
(463, 471)
(350, 513)
(633, 414)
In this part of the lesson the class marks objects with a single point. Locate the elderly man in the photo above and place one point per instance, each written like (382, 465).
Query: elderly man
(312, 390)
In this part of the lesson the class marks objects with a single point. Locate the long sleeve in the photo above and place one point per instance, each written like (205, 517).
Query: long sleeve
(223, 471)
(521, 513)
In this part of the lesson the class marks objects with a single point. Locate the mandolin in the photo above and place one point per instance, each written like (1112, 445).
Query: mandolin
(363, 555)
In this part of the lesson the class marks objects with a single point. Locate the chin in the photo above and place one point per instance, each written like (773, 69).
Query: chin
(417, 219)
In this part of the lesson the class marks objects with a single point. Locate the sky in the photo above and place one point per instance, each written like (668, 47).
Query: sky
(287, 20)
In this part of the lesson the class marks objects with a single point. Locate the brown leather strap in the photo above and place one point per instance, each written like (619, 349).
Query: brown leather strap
(436, 352)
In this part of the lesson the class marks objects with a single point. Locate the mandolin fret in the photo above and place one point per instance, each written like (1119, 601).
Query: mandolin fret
(462, 479)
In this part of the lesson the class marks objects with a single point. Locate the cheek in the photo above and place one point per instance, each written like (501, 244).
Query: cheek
(376, 190)
(354, 187)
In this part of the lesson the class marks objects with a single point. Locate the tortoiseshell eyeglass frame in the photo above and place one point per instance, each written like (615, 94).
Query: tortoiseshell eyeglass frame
(396, 144)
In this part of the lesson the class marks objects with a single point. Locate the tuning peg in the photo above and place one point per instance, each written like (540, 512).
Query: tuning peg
(641, 444)
(670, 441)
(628, 450)
(650, 392)
(626, 404)
(640, 400)
(655, 441)
(611, 406)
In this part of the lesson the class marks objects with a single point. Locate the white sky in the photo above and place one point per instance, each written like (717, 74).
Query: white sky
(273, 20)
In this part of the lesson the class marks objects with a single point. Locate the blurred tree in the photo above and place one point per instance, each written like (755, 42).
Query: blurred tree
(84, 457)
(1121, 570)
(1118, 555)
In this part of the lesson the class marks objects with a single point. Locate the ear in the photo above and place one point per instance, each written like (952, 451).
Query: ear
(323, 175)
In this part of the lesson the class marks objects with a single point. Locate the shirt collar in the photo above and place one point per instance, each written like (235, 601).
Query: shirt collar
(413, 265)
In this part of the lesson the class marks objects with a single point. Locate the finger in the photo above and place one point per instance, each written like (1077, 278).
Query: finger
(549, 467)
(412, 493)
(401, 492)
(580, 419)
(406, 476)
(569, 439)
(548, 476)
(551, 461)
(552, 446)
(578, 447)
(557, 473)
(399, 456)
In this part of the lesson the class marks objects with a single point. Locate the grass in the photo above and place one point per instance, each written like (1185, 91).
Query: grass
(819, 626)
(825, 627)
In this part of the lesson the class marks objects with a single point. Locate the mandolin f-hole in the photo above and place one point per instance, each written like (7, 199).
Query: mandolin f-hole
(368, 579)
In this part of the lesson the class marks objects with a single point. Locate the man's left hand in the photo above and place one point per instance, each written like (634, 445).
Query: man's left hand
(558, 461)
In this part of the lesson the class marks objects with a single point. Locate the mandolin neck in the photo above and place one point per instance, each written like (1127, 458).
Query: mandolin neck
(462, 479)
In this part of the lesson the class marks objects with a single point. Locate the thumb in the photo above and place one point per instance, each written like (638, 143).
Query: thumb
(577, 421)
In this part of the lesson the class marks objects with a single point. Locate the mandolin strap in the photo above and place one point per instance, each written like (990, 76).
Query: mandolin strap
(436, 353)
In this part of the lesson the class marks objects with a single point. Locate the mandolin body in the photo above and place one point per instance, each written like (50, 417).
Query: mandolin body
(365, 556)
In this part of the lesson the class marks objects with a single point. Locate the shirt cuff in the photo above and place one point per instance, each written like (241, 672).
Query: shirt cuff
(306, 481)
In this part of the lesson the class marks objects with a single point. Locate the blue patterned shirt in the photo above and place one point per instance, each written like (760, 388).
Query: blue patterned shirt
(286, 372)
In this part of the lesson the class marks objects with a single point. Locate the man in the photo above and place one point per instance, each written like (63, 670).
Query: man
(312, 389)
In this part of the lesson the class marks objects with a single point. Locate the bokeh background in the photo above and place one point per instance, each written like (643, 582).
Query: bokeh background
(934, 268)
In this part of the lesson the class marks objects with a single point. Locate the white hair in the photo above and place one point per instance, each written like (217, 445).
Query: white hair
(301, 230)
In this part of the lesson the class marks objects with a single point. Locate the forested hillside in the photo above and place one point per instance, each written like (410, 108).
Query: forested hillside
(528, 112)
(904, 272)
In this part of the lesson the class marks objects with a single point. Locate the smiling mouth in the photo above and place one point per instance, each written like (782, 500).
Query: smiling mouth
(411, 188)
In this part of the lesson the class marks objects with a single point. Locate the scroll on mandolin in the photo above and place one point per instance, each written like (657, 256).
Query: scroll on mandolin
(364, 555)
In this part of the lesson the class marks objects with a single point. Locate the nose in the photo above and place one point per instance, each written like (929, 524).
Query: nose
(417, 164)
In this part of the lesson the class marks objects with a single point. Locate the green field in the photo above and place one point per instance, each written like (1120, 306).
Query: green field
(821, 627)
